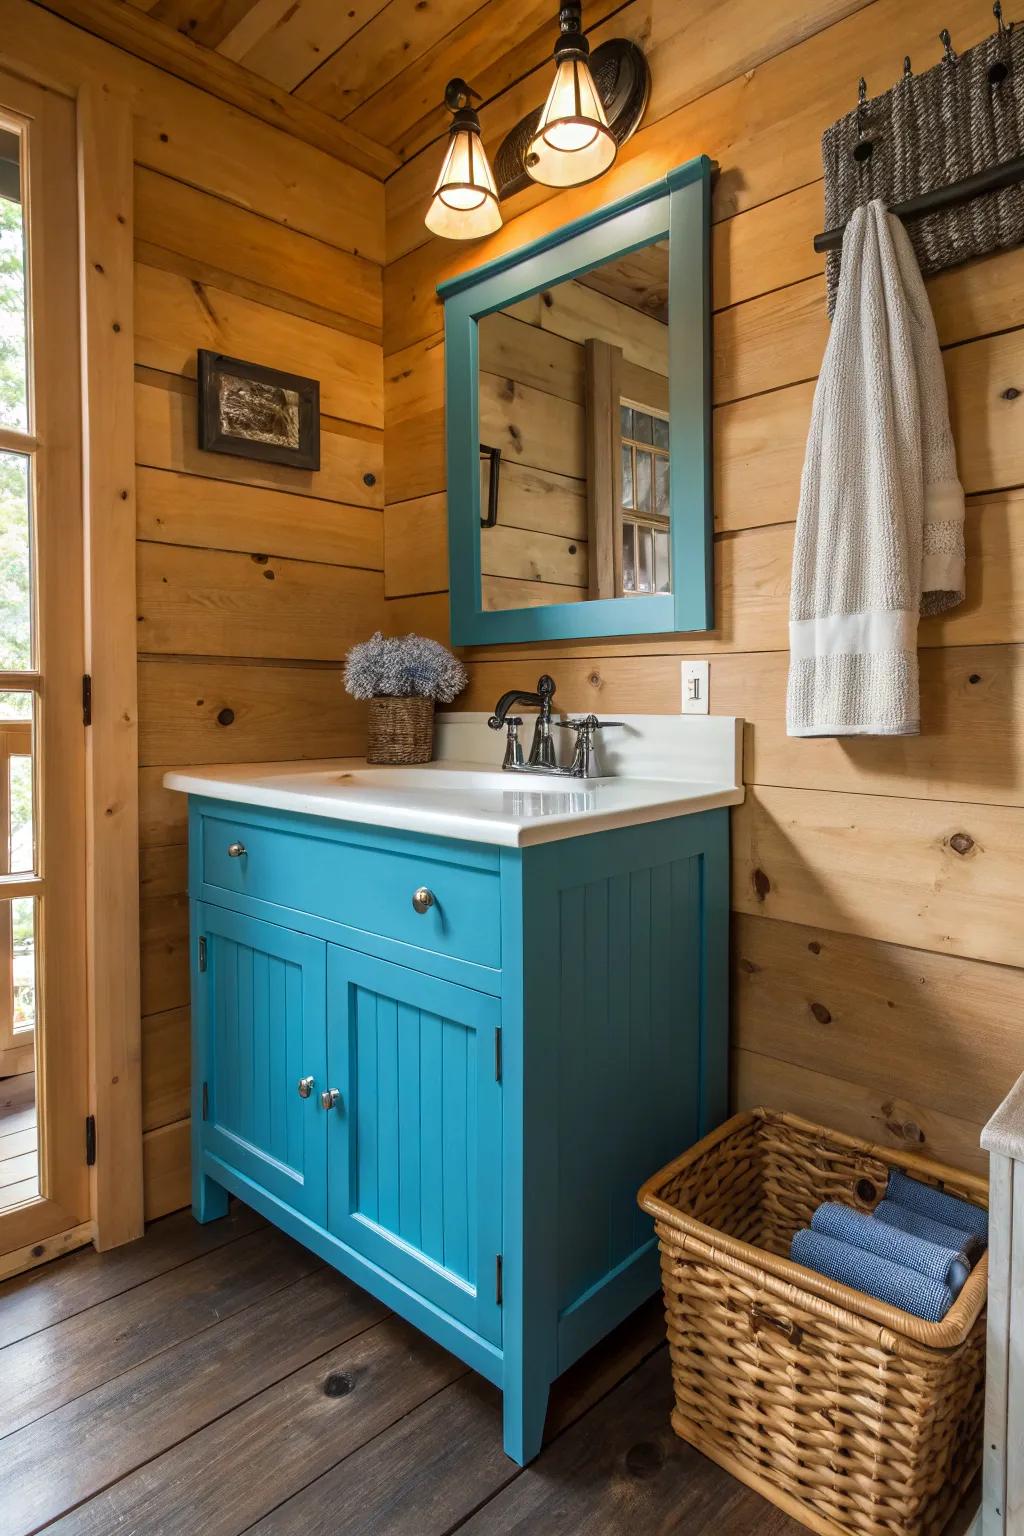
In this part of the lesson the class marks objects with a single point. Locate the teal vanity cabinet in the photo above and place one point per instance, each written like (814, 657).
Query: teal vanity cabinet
(447, 1066)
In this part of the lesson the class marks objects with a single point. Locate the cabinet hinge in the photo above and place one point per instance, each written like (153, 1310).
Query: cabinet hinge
(497, 1055)
(206, 1101)
(86, 699)
(499, 1280)
(202, 954)
(90, 1140)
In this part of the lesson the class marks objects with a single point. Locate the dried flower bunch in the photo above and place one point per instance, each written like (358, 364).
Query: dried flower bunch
(406, 666)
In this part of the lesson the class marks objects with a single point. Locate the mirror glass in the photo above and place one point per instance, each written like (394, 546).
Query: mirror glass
(575, 460)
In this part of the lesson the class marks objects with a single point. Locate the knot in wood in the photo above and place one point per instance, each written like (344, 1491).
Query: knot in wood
(762, 885)
(961, 843)
(821, 1013)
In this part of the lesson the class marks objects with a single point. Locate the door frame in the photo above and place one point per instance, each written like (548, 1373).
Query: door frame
(110, 1044)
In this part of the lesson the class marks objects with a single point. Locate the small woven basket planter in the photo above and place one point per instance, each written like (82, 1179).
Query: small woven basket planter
(851, 1415)
(400, 730)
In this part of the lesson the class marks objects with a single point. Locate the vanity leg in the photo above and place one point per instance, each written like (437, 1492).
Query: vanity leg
(209, 1199)
(525, 1409)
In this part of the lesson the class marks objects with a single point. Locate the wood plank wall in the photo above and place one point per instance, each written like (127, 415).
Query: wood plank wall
(253, 580)
(879, 909)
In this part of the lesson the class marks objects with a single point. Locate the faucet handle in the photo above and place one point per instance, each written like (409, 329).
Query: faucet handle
(588, 723)
(513, 746)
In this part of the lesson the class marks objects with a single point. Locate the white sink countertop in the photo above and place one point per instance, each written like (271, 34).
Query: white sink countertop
(658, 766)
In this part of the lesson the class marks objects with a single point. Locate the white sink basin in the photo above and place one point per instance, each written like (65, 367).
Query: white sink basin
(475, 802)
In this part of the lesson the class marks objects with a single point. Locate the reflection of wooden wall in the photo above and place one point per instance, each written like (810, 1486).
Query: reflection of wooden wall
(252, 580)
(533, 406)
(876, 969)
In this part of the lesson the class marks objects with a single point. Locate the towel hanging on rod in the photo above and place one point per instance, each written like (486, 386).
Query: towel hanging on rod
(943, 150)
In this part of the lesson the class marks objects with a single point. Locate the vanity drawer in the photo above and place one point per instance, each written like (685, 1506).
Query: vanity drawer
(363, 886)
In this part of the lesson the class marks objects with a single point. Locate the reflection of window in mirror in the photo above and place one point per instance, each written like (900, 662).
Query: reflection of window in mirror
(555, 369)
(645, 500)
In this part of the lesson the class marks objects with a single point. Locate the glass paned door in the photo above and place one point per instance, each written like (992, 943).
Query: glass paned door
(43, 1021)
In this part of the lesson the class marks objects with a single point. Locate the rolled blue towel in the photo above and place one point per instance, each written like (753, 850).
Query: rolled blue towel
(933, 1231)
(927, 1201)
(875, 1276)
(947, 1264)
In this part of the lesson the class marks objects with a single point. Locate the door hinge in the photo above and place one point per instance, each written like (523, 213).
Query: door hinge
(206, 1101)
(497, 1056)
(202, 954)
(499, 1280)
(86, 699)
(90, 1140)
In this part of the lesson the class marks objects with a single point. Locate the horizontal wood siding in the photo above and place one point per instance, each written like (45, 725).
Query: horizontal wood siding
(879, 929)
(253, 579)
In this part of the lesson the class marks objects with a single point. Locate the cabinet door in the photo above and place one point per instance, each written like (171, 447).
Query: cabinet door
(414, 1143)
(262, 1030)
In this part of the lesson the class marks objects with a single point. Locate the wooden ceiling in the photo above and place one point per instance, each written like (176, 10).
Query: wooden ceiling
(379, 66)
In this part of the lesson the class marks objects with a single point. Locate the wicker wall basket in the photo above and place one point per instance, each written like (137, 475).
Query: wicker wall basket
(400, 730)
(847, 1413)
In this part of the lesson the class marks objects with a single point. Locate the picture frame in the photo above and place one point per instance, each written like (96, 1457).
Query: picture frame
(255, 412)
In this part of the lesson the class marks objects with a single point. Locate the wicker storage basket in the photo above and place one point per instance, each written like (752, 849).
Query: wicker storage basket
(849, 1414)
(400, 730)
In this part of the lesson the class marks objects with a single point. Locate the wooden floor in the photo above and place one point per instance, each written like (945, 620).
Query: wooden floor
(207, 1381)
(19, 1166)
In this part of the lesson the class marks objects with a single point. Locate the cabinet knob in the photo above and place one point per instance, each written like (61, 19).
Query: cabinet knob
(305, 1087)
(423, 899)
(236, 850)
(330, 1098)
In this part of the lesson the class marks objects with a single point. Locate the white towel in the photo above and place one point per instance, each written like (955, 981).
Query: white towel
(879, 534)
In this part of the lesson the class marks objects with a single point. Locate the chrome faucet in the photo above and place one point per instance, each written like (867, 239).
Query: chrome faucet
(542, 753)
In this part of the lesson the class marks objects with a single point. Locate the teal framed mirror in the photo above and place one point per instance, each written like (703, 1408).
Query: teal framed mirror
(578, 393)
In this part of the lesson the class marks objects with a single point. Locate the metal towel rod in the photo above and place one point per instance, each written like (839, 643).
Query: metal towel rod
(994, 179)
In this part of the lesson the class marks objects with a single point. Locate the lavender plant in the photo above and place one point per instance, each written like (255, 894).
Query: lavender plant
(383, 667)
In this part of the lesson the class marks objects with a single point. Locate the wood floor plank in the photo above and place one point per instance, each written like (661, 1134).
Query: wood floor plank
(233, 1472)
(15, 1169)
(622, 1470)
(70, 1285)
(52, 1368)
(440, 1463)
(144, 1412)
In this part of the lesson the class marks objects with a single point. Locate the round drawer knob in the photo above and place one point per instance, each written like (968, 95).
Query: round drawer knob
(423, 899)
(330, 1098)
(236, 850)
(305, 1087)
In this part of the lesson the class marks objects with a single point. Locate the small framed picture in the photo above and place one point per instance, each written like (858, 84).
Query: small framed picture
(257, 412)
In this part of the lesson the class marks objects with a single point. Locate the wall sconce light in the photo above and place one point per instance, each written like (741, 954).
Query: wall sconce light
(573, 143)
(595, 104)
(465, 201)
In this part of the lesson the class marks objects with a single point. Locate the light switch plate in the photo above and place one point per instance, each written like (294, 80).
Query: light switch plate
(696, 685)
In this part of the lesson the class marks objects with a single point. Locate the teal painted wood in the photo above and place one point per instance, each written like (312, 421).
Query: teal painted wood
(677, 207)
(314, 868)
(613, 1014)
(414, 1145)
(263, 999)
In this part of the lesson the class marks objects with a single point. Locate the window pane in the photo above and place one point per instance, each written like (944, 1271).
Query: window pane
(662, 568)
(627, 476)
(628, 557)
(23, 923)
(13, 326)
(645, 560)
(15, 563)
(21, 841)
(660, 433)
(643, 427)
(15, 706)
(626, 420)
(643, 481)
(661, 495)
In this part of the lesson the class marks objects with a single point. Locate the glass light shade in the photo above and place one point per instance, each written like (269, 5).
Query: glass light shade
(465, 201)
(573, 142)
